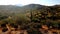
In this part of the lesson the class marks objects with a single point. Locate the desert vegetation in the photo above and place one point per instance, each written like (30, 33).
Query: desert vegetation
(30, 19)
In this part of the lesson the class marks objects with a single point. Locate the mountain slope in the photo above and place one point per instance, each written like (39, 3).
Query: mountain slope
(18, 9)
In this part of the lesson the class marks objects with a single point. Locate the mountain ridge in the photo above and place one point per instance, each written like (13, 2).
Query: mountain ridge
(18, 9)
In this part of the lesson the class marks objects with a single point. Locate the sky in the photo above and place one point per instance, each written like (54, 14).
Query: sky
(25, 2)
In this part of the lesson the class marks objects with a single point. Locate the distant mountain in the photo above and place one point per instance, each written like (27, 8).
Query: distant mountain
(18, 9)
(8, 7)
(33, 6)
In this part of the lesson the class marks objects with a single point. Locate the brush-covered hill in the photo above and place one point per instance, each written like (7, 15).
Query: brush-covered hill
(18, 9)
(8, 10)
(30, 17)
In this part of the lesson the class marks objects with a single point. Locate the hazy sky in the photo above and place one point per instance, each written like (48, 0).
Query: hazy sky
(25, 2)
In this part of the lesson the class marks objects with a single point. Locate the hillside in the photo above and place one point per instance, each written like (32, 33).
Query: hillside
(32, 18)
(18, 9)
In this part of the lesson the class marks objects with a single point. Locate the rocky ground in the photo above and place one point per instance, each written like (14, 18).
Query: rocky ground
(43, 30)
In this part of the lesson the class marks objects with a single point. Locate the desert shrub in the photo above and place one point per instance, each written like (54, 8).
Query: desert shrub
(4, 29)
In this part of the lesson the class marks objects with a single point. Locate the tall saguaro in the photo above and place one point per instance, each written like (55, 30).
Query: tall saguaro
(31, 15)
